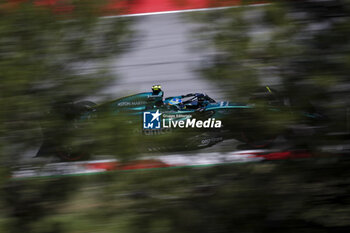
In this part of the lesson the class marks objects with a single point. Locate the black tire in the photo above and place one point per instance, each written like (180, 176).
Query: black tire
(68, 155)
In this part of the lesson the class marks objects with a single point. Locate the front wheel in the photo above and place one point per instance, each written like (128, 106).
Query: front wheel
(68, 154)
(257, 141)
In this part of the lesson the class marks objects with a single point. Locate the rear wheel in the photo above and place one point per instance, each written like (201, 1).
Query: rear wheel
(268, 104)
(84, 106)
(269, 96)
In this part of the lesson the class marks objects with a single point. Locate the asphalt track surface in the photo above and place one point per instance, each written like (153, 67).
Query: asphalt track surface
(162, 54)
(166, 51)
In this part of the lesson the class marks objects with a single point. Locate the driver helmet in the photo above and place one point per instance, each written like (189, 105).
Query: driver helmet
(174, 101)
(200, 97)
(156, 89)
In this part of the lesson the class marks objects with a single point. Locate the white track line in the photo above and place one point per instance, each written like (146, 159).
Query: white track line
(182, 11)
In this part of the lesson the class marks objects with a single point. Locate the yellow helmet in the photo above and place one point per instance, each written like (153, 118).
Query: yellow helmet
(156, 87)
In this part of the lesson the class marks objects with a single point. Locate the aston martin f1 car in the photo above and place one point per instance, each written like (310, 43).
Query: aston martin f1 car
(236, 120)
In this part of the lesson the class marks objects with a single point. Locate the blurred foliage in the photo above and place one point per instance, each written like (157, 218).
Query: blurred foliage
(300, 48)
(310, 195)
(270, 197)
(49, 60)
(28, 203)
(52, 55)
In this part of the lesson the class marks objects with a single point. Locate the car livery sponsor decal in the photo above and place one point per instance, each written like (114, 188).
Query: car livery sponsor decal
(135, 103)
